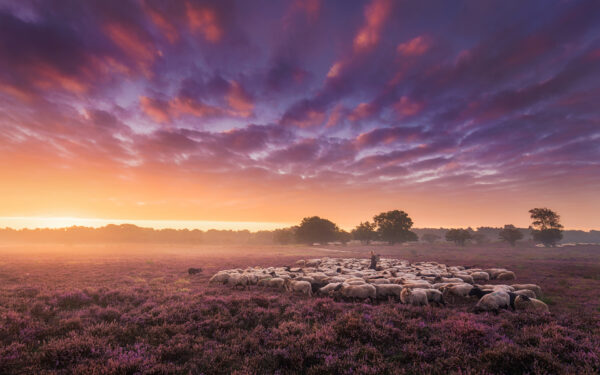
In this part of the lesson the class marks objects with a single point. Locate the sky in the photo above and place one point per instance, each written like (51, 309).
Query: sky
(459, 113)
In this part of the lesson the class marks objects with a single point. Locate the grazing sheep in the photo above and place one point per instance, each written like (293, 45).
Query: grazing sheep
(415, 297)
(532, 287)
(494, 272)
(435, 296)
(194, 271)
(530, 304)
(388, 290)
(465, 278)
(276, 282)
(480, 276)
(507, 275)
(478, 292)
(303, 287)
(459, 290)
(329, 288)
(526, 292)
(219, 278)
(237, 279)
(493, 302)
(363, 291)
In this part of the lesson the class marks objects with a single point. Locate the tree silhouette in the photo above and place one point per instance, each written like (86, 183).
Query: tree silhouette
(394, 226)
(364, 232)
(314, 229)
(546, 227)
(458, 236)
(510, 234)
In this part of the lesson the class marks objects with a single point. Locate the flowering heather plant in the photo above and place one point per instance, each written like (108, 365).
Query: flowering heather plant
(86, 318)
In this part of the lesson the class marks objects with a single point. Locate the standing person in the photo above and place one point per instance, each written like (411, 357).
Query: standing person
(374, 260)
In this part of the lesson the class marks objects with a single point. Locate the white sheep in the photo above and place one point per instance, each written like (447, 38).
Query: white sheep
(530, 304)
(493, 302)
(219, 278)
(532, 287)
(388, 290)
(236, 279)
(480, 276)
(526, 292)
(303, 287)
(415, 297)
(434, 295)
(507, 275)
(363, 291)
(329, 288)
(276, 282)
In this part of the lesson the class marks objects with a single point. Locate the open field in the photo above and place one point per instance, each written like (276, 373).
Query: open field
(128, 309)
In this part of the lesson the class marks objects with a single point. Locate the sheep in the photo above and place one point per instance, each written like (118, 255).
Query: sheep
(478, 292)
(478, 276)
(526, 292)
(276, 282)
(194, 271)
(219, 277)
(508, 275)
(303, 287)
(530, 304)
(236, 280)
(532, 287)
(415, 297)
(460, 290)
(494, 272)
(388, 290)
(363, 291)
(434, 295)
(465, 278)
(329, 288)
(493, 302)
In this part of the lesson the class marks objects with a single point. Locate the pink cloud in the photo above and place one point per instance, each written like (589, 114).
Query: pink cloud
(407, 107)
(205, 21)
(376, 14)
(239, 100)
(414, 47)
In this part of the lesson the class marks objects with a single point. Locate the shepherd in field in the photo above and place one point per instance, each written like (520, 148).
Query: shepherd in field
(374, 260)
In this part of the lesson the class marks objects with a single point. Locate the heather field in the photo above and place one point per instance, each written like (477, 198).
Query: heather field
(129, 309)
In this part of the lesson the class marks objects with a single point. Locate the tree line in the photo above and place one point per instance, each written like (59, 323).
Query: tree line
(395, 227)
(389, 227)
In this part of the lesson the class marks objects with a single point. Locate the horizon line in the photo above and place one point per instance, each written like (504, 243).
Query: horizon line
(56, 222)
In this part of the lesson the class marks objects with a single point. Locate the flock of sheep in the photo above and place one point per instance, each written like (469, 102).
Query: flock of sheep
(419, 284)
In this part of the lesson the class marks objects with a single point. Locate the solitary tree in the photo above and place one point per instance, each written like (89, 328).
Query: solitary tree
(458, 236)
(314, 229)
(510, 234)
(364, 232)
(546, 227)
(430, 237)
(394, 226)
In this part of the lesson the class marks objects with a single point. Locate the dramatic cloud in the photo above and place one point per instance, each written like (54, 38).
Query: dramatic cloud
(236, 110)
